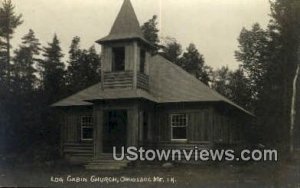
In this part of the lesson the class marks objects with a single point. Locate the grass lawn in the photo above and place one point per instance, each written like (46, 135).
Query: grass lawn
(284, 174)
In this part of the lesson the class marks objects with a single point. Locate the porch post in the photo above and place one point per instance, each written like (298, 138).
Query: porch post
(133, 123)
(98, 145)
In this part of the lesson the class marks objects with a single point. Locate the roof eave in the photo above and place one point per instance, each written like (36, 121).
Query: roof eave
(144, 41)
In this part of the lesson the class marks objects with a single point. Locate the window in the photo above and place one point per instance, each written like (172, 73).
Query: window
(179, 126)
(86, 128)
(118, 59)
(142, 60)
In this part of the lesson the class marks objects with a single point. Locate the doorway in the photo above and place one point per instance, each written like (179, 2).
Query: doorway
(114, 130)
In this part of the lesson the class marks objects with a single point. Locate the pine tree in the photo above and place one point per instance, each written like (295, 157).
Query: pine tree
(239, 87)
(254, 54)
(150, 31)
(84, 67)
(234, 85)
(172, 50)
(52, 71)
(73, 69)
(26, 57)
(221, 80)
(193, 62)
(9, 21)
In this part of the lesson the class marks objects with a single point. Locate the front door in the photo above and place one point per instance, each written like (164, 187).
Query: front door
(114, 130)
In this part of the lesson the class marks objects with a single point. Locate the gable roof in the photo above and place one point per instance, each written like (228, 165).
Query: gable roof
(168, 83)
(126, 25)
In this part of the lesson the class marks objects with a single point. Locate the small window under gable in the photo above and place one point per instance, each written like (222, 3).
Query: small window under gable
(179, 124)
(118, 59)
(142, 60)
(86, 128)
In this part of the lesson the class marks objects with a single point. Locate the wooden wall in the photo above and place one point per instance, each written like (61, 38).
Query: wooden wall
(73, 148)
(207, 124)
(199, 122)
(231, 127)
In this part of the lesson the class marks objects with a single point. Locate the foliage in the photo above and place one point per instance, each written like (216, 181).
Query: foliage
(172, 50)
(52, 71)
(150, 31)
(193, 62)
(262, 83)
(234, 85)
(253, 53)
(9, 21)
(269, 58)
(84, 67)
(221, 79)
(23, 70)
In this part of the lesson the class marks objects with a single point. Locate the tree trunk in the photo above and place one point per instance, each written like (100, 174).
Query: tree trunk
(293, 109)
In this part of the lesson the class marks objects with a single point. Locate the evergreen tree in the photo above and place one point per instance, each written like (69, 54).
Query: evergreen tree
(9, 21)
(52, 71)
(73, 69)
(84, 67)
(150, 31)
(193, 62)
(26, 57)
(284, 30)
(221, 81)
(239, 87)
(234, 85)
(172, 50)
(254, 54)
(270, 60)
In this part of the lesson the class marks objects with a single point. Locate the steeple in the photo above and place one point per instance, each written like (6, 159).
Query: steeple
(126, 26)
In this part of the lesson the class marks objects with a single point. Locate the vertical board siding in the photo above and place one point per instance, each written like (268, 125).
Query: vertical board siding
(164, 127)
(71, 127)
(198, 128)
(72, 145)
(227, 128)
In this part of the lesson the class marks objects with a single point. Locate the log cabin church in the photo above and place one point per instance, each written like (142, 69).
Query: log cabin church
(143, 100)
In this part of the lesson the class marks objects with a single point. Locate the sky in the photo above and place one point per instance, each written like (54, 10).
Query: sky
(212, 25)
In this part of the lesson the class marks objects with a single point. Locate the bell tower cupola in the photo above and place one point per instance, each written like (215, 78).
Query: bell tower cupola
(125, 53)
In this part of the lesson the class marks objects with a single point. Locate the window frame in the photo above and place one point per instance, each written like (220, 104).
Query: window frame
(84, 125)
(113, 59)
(172, 126)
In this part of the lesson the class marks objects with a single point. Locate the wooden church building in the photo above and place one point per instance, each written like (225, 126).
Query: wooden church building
(144, 100)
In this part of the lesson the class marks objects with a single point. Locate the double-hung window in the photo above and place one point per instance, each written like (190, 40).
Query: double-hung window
(86, 128)
(179, 124)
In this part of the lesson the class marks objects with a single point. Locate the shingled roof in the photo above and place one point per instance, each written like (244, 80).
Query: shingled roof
(168, 84)
(126, 26)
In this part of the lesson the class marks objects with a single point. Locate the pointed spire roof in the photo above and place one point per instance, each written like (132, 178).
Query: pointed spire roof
(126, 25)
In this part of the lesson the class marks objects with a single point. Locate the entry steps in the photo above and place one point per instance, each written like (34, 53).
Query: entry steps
(106, 162)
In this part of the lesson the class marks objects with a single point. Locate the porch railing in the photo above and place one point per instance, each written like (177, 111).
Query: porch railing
(114, 80)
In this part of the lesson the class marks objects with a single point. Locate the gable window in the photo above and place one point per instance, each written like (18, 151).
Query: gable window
(118, 59)
(142, 60)
(86, 127)
(179, 124)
